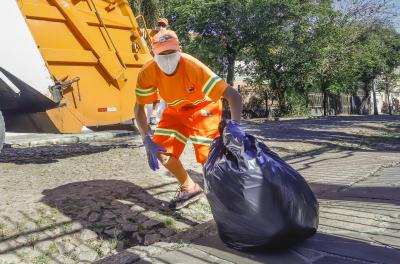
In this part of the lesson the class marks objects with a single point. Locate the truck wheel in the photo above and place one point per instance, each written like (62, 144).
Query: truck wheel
(2, 131)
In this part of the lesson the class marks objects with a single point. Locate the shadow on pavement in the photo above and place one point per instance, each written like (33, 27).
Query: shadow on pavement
(321, 248)
(123, 213)
(322, 132)
(375, 194)
(118, 211)
(122, 257)
(51, 154)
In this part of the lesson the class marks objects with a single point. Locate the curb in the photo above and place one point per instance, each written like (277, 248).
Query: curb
(37, 140)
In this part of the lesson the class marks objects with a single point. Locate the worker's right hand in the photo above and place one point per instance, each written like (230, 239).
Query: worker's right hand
(152, 150)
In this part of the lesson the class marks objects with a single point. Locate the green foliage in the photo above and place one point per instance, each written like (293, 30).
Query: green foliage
(289, 47)
(42, 259)
(297, 104)
(215, 31)
(152, 10)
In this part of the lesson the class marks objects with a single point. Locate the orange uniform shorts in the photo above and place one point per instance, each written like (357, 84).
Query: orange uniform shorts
(198, 123)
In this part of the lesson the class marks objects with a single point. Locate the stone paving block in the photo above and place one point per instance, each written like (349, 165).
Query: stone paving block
(85, 253)
(9, 258)
(123, 257)
(102, 175)
(87, 234)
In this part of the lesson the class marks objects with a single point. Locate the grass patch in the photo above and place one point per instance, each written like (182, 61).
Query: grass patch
(141, 230)
(2, 231)
(114, 243)
(32, 239)
(203, 206)
(169, 222)
(97, 248)
(53, 249)
(66, 227)
(42, 259)
(97, 226)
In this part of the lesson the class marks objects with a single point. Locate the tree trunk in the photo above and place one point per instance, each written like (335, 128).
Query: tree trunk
(266, 105)
(367, 89)
(150, 10)
(2, 131)
(374, 98)
(282, 102)
(325, 102)
(231, 67)
(364, 102)
(387, 90)
(353, 104)
(336, 105)
(279, 91)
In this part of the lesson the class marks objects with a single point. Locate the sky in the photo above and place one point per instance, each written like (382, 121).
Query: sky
(393, 8)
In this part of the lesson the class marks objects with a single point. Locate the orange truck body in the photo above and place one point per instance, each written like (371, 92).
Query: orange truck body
(96, 49)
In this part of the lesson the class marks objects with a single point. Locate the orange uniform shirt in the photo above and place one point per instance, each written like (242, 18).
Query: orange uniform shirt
(192, 84)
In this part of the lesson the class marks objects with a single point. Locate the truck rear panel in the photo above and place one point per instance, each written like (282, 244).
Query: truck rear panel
(89, 41)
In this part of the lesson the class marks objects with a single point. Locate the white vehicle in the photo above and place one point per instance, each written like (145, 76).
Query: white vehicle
(67, 64)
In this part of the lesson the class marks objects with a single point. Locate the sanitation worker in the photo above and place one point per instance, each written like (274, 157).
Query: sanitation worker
(155, 109)
(193, 95)
(161, 25)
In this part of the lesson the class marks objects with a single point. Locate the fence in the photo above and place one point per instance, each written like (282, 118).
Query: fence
(337, 104)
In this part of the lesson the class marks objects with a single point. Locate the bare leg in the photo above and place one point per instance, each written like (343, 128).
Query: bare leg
(175, 166)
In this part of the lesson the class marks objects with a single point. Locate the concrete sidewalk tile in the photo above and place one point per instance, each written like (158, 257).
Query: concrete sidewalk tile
(337, 260)
(309, 254)
(214, 246)
(351, 248)
(35, 139)
(189, 255)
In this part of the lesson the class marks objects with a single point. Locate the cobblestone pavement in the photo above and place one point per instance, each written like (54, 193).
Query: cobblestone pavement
(89, 202)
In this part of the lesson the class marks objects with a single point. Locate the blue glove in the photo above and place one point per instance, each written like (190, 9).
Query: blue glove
(233, 127)
(152, 150)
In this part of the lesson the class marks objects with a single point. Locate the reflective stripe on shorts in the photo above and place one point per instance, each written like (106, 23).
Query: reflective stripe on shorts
(171, 133)
(201, 140)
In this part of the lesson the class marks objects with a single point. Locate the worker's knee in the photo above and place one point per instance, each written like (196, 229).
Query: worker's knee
(164, 159)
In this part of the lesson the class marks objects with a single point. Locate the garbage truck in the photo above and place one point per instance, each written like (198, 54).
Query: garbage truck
(68, 64)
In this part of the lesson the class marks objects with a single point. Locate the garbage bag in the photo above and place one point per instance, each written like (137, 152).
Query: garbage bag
(256, 198)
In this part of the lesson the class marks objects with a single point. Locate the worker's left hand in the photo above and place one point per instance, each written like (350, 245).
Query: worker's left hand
(152, 150)
(233, 128)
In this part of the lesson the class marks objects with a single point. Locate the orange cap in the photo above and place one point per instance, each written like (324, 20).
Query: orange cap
(163, 21)
(165, 40)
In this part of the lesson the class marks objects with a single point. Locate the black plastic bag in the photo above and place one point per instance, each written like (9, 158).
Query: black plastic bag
(256, 198)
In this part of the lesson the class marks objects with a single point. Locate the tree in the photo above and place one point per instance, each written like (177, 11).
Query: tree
(377, 54)
(216, 31)
(387, 84)
(282, 52)
(152, 10)
(290, 47)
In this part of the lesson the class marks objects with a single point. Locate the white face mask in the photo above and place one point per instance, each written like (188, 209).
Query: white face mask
(168, 63)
